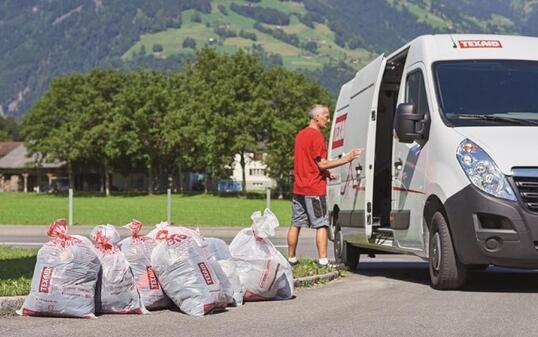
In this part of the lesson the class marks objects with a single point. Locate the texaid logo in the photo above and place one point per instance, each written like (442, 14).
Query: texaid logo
(44, 282)
(480, 44)
(338, 135)
(152, 279)
(205, 273)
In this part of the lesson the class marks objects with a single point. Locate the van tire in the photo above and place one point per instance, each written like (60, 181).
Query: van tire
(344, 252)
(446, 271)
(352, 256)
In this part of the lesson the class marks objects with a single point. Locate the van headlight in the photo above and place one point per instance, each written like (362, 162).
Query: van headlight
(482, 171)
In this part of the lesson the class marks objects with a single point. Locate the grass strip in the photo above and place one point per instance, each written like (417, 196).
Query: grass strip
(308, 267)
(16, 270)
(187, 209)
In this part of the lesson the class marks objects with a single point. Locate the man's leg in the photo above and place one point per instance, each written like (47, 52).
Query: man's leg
(299, 219)
(322, 237)
(317, 213)
(293, 238)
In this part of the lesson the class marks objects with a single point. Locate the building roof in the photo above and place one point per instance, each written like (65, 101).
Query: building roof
(6, 147)
(18, 158)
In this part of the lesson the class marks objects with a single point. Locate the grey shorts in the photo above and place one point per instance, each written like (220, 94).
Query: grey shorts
(309, 211)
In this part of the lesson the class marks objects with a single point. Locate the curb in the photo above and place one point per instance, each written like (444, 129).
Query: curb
(309, 280)
(8, 305)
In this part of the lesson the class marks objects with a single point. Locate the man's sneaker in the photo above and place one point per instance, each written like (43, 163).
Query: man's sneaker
(292, 260)
(323, 262)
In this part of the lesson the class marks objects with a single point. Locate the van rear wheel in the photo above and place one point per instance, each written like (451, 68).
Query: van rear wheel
(446, 271)
(344, 252)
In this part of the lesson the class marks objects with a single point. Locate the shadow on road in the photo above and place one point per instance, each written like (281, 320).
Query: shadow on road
(494, 279)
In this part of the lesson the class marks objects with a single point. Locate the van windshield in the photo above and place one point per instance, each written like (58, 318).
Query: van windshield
(488, 92)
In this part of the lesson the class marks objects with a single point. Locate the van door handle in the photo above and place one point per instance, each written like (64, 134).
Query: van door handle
(398, 165)
(358, 170)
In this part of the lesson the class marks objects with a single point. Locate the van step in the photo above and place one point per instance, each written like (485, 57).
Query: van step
(376, 222)
(385, 230)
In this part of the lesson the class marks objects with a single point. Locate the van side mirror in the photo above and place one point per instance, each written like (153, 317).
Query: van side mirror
(410, 125)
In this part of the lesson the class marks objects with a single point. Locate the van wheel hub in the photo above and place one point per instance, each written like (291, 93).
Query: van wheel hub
(436, 252)
(339, 244)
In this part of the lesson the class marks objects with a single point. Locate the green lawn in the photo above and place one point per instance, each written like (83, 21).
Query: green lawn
(16, 269)
(195, 209)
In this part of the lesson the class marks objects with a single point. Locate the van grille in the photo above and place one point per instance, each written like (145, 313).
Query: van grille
(528, 190)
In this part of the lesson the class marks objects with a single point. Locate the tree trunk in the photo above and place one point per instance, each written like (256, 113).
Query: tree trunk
(206, 179)
(107, 179)
(150, 179)
(280, 182)
(243, 173)
(70, 174)
(180, 180)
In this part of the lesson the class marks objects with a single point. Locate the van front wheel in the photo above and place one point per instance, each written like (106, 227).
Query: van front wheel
(446, 271)
(344, 252)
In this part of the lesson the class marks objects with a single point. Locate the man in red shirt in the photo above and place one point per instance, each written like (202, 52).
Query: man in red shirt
(310, 169)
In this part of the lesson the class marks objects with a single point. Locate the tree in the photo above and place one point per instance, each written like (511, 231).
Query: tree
(231, 105)
(157, 48)
(290, 96)
(104, 131)
(183, 126)
(196, 17)
(9, 129)
(55, 127)
(189, 43)
(142, 106)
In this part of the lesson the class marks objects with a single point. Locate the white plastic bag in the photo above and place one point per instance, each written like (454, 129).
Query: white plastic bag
(116, 289)
(65, 276)
(219, 250)
(264, 272)
(137, 250)
(184, 271)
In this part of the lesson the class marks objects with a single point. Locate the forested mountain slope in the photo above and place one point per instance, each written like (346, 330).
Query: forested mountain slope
(326, 39)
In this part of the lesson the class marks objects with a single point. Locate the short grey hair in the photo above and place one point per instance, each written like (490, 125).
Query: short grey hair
(316, 110)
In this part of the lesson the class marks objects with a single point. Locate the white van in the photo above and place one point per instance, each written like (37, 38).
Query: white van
(449, 171)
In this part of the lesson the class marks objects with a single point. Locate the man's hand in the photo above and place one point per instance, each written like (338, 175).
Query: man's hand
(325, 164)
(332, 176)
(353, 154)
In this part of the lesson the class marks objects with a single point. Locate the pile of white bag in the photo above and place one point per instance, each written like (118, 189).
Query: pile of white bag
(263, 271)
(65, 276)
(171, 264)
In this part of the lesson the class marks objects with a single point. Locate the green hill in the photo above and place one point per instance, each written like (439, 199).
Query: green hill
(327, 40)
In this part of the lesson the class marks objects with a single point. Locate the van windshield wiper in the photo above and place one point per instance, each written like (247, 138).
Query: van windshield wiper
(492, 118)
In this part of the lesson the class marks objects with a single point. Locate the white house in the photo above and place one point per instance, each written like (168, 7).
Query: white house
(256, 172)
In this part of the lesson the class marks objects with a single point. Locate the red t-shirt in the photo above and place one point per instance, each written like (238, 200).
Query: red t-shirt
(309, 178)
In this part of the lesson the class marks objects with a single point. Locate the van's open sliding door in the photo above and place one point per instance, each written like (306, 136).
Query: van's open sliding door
(360, 126)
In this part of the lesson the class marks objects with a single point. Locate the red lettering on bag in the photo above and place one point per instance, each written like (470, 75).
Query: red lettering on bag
(480, 44)
(205, 273)
(338, 134)
(153, 283)
(44, 282)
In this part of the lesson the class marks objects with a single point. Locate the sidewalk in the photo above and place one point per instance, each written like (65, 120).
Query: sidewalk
(207, 231)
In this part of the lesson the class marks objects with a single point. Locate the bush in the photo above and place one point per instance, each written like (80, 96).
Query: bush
(224, 32)
(157, 48)
(189, 43)
(311, 46)
(223, 9)
(248, 35)
(196, 17)
(263, 14)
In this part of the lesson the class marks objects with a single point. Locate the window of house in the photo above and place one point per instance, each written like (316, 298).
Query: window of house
(257, 172)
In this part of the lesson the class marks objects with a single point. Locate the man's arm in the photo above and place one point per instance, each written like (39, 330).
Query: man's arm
(325, 164)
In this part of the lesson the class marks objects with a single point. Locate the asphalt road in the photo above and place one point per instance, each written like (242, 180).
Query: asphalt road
(35, 236)
(386, 296)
